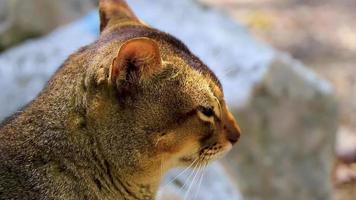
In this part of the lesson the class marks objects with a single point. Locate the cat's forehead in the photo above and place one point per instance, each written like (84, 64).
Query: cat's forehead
(178, 47)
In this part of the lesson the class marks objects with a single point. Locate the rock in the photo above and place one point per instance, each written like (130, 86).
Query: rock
(20, 20)
(346, 144)
(25, 69)
(288, 114)
(168, 194)
(344, 181)
(289, 121)
(344, 173)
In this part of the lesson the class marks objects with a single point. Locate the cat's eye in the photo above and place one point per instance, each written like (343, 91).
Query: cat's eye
(207, 114)
(208, 111)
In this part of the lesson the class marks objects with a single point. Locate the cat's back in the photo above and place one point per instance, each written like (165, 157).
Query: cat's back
(14, 179)
(14, 184)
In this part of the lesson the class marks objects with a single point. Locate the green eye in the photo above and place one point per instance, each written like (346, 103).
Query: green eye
(207, 111)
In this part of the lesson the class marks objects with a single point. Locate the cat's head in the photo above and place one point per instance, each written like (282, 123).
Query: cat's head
(156, 99)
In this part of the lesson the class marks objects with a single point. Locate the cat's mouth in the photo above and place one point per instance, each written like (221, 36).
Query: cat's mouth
(187, 159)
(207, 154)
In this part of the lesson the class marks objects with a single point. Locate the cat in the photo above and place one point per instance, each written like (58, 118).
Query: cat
(116, 116)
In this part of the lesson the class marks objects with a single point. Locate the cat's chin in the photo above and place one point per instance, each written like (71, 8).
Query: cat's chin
(206, 155)
(186, 160)
(215, 152)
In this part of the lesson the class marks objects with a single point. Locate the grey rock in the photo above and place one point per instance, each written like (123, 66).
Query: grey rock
(25, 69)
(347, 192)
(20, 19)
(289, 121)
(287, 113)
(344, 172)
(344, 179)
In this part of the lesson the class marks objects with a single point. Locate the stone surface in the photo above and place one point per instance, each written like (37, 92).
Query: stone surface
(344, 173)
(289, 123)
(344, 181)
(287, 113)
(24, 19)
(25, 69)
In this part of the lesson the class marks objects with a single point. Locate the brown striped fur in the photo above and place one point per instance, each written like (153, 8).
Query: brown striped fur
(115, 117)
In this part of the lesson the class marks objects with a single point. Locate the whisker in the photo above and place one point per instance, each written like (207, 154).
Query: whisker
(161, 172)
(190, 175)
(201, 179)
(181, 173)
(192, 183)
(198, 178)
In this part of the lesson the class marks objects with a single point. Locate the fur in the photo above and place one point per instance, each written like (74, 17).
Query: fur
(115, 117)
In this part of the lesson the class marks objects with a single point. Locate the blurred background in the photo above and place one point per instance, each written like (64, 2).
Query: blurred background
(287, 66)
(322, 34)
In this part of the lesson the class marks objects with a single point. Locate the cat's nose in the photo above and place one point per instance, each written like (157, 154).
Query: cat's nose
(232, 129)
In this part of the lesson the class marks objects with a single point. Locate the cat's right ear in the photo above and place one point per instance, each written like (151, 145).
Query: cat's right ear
(137, 60)
(113, 12)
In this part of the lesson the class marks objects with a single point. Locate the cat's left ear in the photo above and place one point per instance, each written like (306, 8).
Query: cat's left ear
(113, 12)
(137, 59)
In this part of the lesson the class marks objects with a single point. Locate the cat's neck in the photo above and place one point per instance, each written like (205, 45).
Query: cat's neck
(76, 151)
(114, 180)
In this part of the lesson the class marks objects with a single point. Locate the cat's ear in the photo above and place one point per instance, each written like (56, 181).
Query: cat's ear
(137, 59)
(113, 12)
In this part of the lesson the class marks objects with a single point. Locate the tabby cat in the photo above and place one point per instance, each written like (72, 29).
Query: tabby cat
(115, 117)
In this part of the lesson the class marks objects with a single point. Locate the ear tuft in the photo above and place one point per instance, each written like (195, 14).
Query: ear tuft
(115, 11)
(137, 59)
